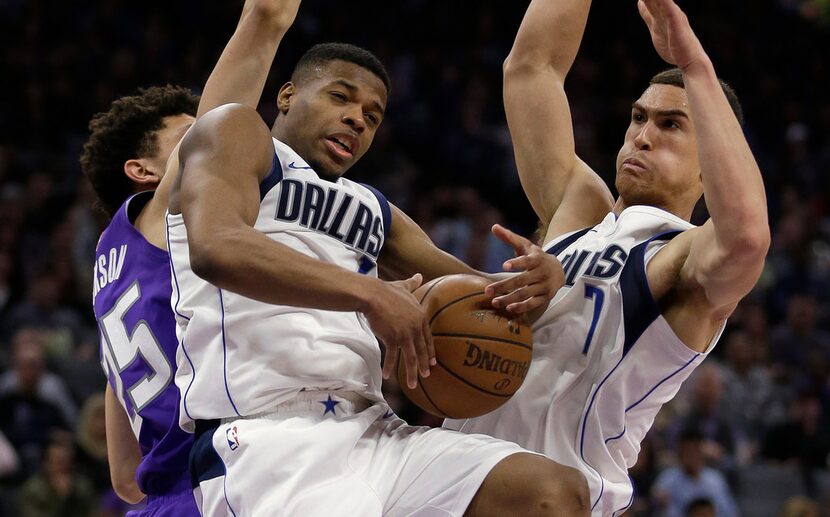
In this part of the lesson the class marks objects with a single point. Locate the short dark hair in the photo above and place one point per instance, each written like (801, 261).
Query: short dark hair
(324, 53)
(674, 77)
(126, 131)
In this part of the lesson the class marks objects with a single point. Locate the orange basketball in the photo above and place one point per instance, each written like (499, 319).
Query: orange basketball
(483, 354)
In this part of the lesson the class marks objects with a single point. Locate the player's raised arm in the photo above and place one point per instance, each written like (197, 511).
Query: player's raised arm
(240, 74)
(726, 255)
(562, 189)
(223, 159)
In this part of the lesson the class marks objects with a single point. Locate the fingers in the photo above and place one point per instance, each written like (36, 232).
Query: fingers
(645, 14)
(422, 354)
(410, 360)
(519, 263)
(519, 244)
(413, 282)
(528, 305)
(512, 283)
(430, 344)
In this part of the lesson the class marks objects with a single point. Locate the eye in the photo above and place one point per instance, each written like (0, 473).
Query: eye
(638, 117)
(671, 124)
(340, 96)
(372, 118)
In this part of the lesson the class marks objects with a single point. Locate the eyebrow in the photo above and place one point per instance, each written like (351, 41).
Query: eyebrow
(661, 113)
(353, 88)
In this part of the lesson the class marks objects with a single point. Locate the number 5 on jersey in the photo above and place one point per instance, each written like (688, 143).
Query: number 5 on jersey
(124, 347)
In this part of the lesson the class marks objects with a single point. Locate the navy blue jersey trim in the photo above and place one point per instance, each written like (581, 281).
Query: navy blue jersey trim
(273, 177)
(205, 463)
(639, 307)
(385, 209)
(560, 246)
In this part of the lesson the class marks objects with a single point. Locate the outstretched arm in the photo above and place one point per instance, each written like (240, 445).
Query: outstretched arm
(564, 192)
(725, 256)
(240, 74)
(223, 159)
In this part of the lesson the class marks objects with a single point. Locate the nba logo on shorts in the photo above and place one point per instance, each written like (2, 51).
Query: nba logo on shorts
(233, 438)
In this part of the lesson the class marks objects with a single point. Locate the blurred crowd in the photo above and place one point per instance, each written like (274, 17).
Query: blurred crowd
(747, 435)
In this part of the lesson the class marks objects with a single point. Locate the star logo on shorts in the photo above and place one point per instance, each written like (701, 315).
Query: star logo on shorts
(330, 405)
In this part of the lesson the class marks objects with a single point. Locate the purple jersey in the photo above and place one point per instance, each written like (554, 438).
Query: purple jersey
(131, 298)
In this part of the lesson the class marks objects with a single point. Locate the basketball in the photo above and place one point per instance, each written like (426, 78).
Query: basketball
(483, 354)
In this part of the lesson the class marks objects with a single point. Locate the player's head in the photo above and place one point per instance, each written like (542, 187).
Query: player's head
(658, 163)
(331, 108)
(129, 144)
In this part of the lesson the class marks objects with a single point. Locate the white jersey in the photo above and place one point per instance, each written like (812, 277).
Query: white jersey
(240, 357)
(604, 358)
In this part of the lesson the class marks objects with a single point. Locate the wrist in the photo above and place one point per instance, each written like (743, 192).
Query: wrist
(277, 21)
(368, 294)
(702, 66)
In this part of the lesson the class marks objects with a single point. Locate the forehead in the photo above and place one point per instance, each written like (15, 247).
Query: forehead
(663, 97)
(175, 127)
(178, 123)
(356, 75)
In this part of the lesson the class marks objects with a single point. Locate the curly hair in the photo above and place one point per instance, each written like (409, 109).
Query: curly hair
(128, 130)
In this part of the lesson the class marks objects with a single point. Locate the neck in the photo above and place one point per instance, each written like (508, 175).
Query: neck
(681, 212)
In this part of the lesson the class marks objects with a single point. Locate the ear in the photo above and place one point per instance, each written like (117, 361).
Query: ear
(140, 173)
(284, 97)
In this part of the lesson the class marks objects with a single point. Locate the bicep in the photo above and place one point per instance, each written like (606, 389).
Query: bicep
(409, 250)
(541, 128)
(222, 160)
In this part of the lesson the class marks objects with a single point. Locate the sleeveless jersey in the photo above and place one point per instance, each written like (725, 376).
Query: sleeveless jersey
(240, 357)
(131, 300)
(604, 359)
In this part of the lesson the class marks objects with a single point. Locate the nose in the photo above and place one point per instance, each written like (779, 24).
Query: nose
(353, 117)
(643, 138)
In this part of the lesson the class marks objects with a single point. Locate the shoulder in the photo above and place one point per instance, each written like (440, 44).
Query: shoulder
(226, 127)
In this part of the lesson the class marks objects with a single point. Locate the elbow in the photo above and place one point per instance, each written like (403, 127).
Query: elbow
(521, 64)
(206, 261)
(751, 245)
(127, 490)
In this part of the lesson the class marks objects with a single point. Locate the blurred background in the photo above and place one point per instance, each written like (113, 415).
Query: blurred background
(753, 420)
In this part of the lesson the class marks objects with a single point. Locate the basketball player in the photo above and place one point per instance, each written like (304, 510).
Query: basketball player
(278, 302)
(148, 452)
(646, 293)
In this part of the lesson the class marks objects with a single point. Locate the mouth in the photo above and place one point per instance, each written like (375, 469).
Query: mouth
(634, 165)
(343, 146)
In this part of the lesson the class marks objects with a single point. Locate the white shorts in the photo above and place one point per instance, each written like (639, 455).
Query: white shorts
(339, 456)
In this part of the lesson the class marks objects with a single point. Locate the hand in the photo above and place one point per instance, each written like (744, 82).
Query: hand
(400, 323)
(280, 13)
(671, 33)
(542, 277)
